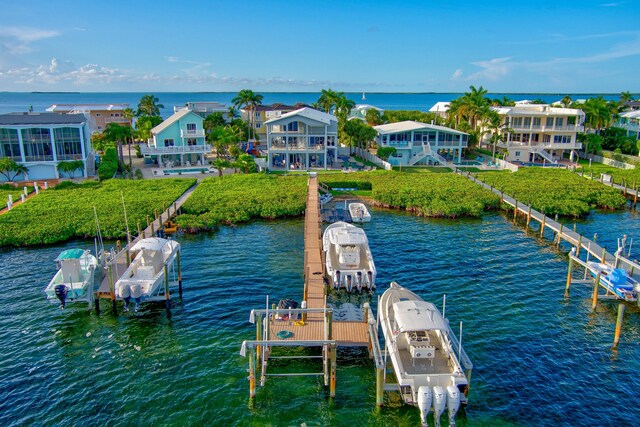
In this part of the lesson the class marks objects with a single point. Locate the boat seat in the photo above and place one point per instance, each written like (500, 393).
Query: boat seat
(145, 272)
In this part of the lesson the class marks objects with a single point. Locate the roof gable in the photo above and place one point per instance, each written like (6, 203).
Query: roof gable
(307, 113)
(174, 118)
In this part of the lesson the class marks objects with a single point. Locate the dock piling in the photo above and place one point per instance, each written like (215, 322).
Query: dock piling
(528, 216)
(166, 291)
(179, 275)
(112, 289)
(334, 358)
(379, 386)
(252, 373)
(616, 338)
(596, 285)
(568, 285)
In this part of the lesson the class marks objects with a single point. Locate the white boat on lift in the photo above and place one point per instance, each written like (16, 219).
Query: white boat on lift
(348, 259)
(359, 212)
(425, 354)
(75, 278)
(616, 280)
(144, 279)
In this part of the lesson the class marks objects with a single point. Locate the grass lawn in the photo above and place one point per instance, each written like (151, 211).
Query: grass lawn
(422, 169)
(359, 193)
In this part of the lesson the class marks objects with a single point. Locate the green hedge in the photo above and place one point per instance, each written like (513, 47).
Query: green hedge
(108, 165)
(358, 185)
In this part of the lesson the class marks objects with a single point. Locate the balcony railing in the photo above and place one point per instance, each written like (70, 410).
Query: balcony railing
(298, 147)
(197, 133)
(543, 128)
(116, 120)
(544, 145)
(178, 149)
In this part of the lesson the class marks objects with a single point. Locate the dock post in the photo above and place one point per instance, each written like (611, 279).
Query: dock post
(568, 285)
(596, 285)
(252, 374)
(616, 338)
(379, 386)
(96, 302)
(579, 245)
(153, 232)
(118, 246)
(334, 358)
(166, 291)
(604, 255)
(139, 230)
(179, 275)
(258, 334)
(329, 325)
(528, 217)
(635, 195)
(560, 234)
(148, 221)
(515, 209)
(112, 289)
(544, 221)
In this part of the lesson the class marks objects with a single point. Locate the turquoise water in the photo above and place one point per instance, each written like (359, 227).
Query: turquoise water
(539, 359)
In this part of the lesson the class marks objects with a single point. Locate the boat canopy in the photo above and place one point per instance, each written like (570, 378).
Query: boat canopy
(151, 244)
(414, 315)
(70, 254)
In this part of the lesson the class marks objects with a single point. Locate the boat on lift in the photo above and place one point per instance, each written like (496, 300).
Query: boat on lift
(425, 354)
(75, 278)
(348, 260)
(616, 280)
(359, 212)
(144, 279)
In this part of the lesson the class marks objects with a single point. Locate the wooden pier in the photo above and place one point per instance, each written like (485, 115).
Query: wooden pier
(312, 325)
(117, 262)
(589, 249)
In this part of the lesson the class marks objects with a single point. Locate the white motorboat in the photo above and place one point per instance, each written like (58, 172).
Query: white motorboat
(74, 279)
(359, 212)
(616, 280)
(144, 279)
(348, 259)
(425, 354)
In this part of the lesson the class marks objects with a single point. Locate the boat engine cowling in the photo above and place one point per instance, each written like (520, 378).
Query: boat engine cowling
(349, 284)
(136, 290)
(61, 293)
(125, 291)
(439, 403)
(453, 403)
(424, 402)
(370, 279)
(359, 281)
(336, 282)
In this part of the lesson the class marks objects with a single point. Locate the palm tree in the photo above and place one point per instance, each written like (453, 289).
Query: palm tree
(129, 114)
(10, 169)
(328, 99)
(566, 101)
(232, 113)
(626, 96)
(148, 106)
(496, 127)
(248, 100)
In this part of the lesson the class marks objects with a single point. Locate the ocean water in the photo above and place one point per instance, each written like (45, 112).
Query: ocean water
(539, 359)
(40, 101)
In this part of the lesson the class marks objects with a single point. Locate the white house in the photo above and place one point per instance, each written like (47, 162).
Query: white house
(40, 141)
(440, 109)
(630, 121)
(302, 139)
(420, 143)
(203, 108)
(539, 131)
(360, 111)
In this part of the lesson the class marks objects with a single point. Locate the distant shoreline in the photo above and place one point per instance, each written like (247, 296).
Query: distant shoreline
(304, 92)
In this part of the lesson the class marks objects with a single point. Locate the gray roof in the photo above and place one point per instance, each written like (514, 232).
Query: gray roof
(18, 119)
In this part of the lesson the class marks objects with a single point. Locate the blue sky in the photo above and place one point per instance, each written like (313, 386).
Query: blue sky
(373, 46)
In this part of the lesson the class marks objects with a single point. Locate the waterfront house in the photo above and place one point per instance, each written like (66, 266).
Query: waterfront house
(99, 115)
(630, 122)
(540, 131)
(302, 139)
(419, 143)
(360, 111)
(40, 141)
(264, 113)
(440, 109)
(203, 109)
(178, 141)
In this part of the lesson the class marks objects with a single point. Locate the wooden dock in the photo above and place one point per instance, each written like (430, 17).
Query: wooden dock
(313, 324)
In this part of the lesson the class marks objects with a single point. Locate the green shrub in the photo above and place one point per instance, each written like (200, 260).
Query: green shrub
(109, 164)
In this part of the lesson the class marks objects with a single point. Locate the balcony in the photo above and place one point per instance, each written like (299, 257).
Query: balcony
(543, 145)
(178, 149)
(122, 120)
(296, 147)
(543, 128)
(196, 133)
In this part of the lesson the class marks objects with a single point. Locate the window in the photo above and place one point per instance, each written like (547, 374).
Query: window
(527, 122)
(525, 137)
(68, 144)
(99, 127)
(37, 144)
(192, 141)
(549, 121)
(516, 122)
(536, 121)
(559, 121)
(516, 137)
(168, 142)
(191, 128)
(535, 137)
(546, 138)
(517, 154)
(9, 144)
(562, 139)
(258, 125)
(292, 127)
(97, 114)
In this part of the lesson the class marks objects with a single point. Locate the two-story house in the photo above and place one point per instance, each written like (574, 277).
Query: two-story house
(203, 108)
(420, 143)
(539, 131)
(99, 115)
(302, 139)
(264, 113)
(40, 141)
(179, 140)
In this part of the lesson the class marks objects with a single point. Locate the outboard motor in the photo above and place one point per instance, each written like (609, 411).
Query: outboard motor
(370, 279)
(439, 404)
(359, 281)
(61, 293)
(349, 284)
(453, 403)
(337, 282)
(136, 293)
(424, 402)
(125, 293)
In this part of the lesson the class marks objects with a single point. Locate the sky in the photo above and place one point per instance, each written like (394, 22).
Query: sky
(545, 46)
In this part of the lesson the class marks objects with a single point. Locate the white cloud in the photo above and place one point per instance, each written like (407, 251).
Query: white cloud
(457, 74)
(17, 40)
(492, 69)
